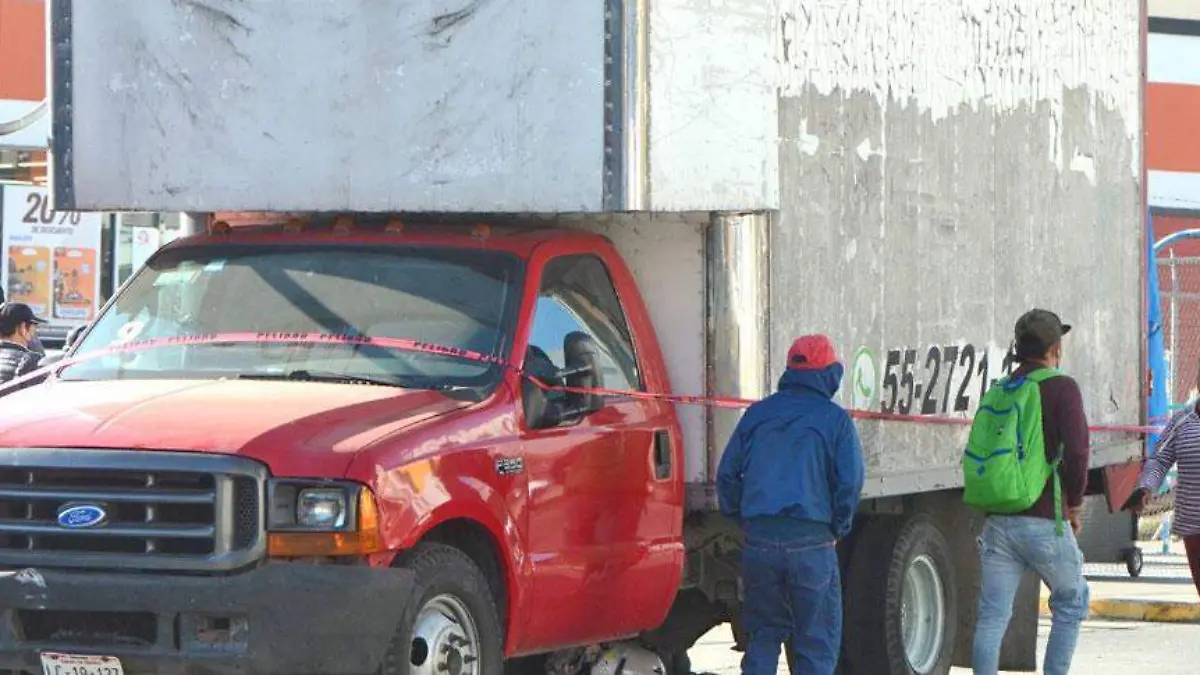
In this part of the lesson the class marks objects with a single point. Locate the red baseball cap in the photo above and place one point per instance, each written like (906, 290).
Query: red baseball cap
(811, 352)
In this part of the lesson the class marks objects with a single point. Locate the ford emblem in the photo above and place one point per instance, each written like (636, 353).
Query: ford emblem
(81, 516)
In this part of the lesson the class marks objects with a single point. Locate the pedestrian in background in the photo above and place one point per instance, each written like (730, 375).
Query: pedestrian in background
(18, 328)
(1016, 541)
(1178, 446)
(791, 476)
(35, 344)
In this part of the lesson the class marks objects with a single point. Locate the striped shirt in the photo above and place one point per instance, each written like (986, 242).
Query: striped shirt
(1178, 445)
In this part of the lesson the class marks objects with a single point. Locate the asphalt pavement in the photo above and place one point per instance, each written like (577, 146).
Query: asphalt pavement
(1105, 648)
(1120, 648)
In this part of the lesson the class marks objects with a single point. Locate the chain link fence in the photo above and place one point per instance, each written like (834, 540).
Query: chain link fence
(1179, 293)
(1179, 296)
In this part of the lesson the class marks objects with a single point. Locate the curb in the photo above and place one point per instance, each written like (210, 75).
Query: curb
(1154, 611)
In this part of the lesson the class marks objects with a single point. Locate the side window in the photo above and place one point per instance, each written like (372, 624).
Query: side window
(577, 295)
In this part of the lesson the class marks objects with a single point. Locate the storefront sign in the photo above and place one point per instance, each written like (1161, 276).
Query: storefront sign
(145, 243)
(51, 258)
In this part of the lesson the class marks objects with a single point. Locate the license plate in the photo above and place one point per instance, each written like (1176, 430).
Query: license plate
(71, 664)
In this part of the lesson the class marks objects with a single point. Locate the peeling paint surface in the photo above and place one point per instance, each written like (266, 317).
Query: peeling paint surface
(1085, 165)
(973, 160)
(938, 57)
(808, 143)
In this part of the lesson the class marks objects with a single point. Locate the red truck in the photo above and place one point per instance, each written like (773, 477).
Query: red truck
(310, 438)
(411, 495)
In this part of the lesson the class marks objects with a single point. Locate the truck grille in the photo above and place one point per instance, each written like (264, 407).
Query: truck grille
(146, 510)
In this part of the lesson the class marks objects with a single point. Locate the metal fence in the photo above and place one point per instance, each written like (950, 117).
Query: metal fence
(1179, 304)
(1179, 292)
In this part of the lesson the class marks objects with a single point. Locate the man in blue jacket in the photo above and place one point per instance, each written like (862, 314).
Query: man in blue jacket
(792, 475)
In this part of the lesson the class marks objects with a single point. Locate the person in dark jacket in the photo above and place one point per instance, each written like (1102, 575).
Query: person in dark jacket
(35, 344)
(791, 476)
(18, 328)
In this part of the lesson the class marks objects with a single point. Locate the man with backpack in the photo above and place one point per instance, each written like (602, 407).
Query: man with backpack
(1025, 467)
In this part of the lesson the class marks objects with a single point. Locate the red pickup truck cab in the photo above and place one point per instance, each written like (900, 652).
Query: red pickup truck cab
(346, 508)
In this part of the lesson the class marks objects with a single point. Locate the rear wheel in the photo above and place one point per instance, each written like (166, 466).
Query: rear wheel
(450, 624)
(901, 600)
(923, 614)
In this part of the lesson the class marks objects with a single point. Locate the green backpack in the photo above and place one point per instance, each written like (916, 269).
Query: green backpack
(1005, 465)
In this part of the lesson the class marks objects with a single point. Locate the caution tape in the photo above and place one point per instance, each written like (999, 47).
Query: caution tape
(402, 344)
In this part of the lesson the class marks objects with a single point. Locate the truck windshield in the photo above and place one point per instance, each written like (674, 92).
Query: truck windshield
(451, 297)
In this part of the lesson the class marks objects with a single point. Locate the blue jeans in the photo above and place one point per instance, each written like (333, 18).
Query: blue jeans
(1011, 546)
(791, 589)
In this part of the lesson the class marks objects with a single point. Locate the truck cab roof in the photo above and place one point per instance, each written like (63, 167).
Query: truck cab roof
(519, 238)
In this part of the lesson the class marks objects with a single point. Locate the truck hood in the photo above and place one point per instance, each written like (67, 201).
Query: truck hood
(296, 428)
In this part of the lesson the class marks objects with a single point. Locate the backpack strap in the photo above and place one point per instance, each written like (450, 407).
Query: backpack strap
(1037, 377)
(1042, 374)
(1058, 518)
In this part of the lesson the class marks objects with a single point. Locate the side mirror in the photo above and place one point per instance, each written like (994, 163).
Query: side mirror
(73, 336)
(582, 372)
(540, 411)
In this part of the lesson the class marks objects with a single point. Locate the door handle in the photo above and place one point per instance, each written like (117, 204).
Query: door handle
(662, 454)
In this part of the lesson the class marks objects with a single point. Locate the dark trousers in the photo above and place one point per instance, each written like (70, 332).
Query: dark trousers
(1192, 546)
(791, 591)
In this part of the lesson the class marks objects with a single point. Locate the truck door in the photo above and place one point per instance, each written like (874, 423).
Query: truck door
(598, 529)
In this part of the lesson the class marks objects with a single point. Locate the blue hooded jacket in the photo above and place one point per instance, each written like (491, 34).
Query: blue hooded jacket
(794, 467)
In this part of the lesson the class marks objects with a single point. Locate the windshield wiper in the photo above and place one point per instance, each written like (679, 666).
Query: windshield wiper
(431, 384)
(319, 376)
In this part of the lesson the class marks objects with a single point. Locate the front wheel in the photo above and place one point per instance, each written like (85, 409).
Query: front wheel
(450, 624)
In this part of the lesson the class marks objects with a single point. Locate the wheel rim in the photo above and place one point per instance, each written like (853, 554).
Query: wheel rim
(445, 639)
(922, 614)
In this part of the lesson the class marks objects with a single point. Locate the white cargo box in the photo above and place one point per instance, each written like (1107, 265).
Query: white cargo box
(395, 105)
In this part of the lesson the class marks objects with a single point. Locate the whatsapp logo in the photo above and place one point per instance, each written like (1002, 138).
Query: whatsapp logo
(862, 380)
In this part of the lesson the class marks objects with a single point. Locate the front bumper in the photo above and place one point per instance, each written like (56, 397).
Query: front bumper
(280, 618)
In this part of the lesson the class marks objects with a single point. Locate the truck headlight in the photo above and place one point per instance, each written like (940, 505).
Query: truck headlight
(321, 508)
(321, 518)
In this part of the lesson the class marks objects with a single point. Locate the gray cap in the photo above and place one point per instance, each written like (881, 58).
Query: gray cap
(1036, 332)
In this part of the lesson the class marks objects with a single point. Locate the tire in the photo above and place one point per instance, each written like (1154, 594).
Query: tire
(678, 663)
(449, 594)
(1134, 562)
(895, 557)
